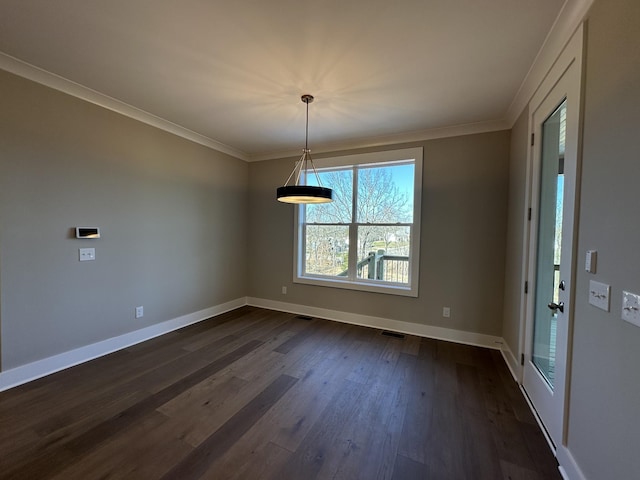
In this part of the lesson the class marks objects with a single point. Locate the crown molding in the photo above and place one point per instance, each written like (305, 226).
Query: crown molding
(52, 80)
(388, 140)
(569, 19)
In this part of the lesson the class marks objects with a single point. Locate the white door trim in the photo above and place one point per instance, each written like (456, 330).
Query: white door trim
(571, 57)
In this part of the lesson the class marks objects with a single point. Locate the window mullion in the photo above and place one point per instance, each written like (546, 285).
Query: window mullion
(353, 229)
(303, 253)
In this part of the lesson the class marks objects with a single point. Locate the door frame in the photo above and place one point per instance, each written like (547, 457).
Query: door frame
(570, 58)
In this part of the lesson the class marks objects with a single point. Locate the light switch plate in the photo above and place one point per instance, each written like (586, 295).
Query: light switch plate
(599, 295)
(631, 308)
(87, 254)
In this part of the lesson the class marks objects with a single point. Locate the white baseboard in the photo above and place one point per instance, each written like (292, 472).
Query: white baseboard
(448, 334)
(512, 362)
(569, 469)
(40, 368)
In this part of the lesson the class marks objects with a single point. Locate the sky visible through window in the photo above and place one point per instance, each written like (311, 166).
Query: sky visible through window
(403, 178)
(402, 175)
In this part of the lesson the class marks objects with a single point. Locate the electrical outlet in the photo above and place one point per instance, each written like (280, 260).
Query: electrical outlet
(284, 290)
(446, 312)
(139, 312)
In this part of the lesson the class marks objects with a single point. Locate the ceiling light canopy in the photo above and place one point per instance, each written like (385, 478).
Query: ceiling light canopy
(301, 193)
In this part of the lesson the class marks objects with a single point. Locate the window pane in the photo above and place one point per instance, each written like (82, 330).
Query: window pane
(326, 250)
(383, 253)
(338, 211)
(385, 194)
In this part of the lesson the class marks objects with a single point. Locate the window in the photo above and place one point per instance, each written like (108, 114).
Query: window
(368, 238)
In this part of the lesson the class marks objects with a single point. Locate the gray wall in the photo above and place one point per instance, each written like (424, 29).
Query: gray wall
(515, 232)
(172, 213)
(464, 210)
(604, 421)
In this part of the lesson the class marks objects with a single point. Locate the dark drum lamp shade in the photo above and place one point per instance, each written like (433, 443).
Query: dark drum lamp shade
(304, 194)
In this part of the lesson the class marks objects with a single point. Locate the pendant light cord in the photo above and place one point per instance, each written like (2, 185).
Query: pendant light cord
(307, 152)
(306, 133)
(301, 165)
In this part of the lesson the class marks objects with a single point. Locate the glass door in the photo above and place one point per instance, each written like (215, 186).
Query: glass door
(550, 266)
(549, 248)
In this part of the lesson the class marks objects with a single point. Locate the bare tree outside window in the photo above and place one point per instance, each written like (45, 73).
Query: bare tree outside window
(373, 209)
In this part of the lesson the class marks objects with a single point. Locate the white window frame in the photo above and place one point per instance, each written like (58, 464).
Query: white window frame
(363, 284)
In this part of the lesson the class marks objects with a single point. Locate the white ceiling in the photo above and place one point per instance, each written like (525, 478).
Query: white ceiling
(233, 71)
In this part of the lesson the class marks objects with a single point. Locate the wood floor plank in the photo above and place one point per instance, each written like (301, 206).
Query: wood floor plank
(330, 344)
(197, 423)
(374, 349)
(298, 339)
(249, 450)
(519, 439)
(249, 368)
(220, 353)
(420, 391)
(194, 422)
(297, 413)
(407, 469)
(22, 454)
(538, 448)
(372, 435)
(198, 461)
(515, 472)
(411, 345)
(147, 450)
(259, 463)
(443, 442)
(505, 428)
(520, 408)
(253, 326)
(307, 461)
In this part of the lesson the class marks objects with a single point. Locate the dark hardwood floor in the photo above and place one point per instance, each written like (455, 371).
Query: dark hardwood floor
(256, 394)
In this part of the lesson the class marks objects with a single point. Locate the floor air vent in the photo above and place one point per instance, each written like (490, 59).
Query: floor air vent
(392, 334)
(304, 317)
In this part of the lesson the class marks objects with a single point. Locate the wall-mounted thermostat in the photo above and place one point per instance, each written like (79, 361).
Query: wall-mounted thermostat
(87, 232)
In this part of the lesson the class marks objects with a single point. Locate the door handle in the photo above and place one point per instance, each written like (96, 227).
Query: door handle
(556, 306)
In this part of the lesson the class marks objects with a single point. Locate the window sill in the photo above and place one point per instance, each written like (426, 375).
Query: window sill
(362, 286)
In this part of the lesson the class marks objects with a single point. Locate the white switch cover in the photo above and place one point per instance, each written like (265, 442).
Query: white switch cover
(631, 308)
(446, 312)
(599, 294)
(590, 261)
(87, 254)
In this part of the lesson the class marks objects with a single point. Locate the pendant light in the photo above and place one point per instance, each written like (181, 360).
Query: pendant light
(297, 193)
